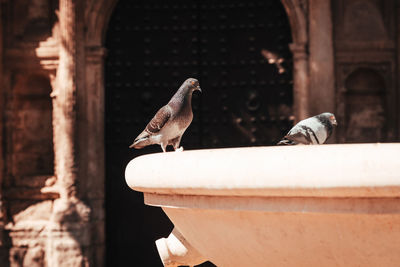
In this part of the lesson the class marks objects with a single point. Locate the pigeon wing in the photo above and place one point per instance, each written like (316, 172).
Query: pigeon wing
(299, 135)
(156, 123)
(159, 120)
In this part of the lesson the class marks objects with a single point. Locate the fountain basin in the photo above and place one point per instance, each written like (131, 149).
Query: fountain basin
(329, 205)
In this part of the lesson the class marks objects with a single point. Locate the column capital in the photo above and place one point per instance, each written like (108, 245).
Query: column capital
(299, 50)
(95, 54)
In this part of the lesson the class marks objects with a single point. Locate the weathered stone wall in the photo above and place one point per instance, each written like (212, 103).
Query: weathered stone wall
(29, 164)
(3, 250)
(367, 91)
(47, 222)
(27, 139)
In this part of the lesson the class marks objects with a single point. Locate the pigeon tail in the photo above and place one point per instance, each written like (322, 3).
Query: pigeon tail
(140, 143)
(285, 142)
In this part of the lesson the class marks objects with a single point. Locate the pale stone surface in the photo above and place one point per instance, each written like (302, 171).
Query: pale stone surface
(330, 205)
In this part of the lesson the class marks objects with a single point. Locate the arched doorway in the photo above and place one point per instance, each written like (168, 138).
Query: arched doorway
(239, 52)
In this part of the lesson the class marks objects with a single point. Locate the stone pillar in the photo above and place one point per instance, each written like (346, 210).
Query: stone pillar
(68, 233)
(321, 61)
(3, 251)
(300, 81)
(91, 153)
(64, 103)
(397, 111)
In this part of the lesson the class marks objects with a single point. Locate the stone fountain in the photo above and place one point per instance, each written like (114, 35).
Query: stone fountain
(328, 205)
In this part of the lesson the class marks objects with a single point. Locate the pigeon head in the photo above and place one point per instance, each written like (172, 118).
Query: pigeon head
(329, 117)
(193, 84)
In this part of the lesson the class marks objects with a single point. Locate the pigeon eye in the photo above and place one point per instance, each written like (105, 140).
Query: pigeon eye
(193, 82)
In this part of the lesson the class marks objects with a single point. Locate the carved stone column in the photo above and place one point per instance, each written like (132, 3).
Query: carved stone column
(297, 14)
(91, 154)
(68, 236)
(300, 81)
(64, 103)
(3, 252)
(322, 79)
(397, 111)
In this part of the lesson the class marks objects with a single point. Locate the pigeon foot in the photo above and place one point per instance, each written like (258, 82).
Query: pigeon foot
(179, 149)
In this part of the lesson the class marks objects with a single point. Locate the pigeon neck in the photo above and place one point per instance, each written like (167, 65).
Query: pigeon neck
(183, 95)
(325, 121)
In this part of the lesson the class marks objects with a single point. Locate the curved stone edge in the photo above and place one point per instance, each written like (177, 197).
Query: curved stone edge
(357, 170)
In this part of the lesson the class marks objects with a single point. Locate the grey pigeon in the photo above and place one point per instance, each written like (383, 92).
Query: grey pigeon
(171, 121)
(312, 131)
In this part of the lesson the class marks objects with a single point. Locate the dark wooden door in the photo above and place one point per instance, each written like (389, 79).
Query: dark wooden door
(153, 46)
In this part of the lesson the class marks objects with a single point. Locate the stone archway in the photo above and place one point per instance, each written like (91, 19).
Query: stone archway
(97, 15)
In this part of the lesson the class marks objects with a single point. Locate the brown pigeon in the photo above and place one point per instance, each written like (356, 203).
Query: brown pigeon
(171, 121)
(312, 131)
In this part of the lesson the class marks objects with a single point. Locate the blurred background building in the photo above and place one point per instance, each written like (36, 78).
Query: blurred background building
(80, 79)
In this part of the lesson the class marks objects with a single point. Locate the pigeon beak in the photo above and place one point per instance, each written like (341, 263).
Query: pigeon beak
(198, 88)
(334, 122)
